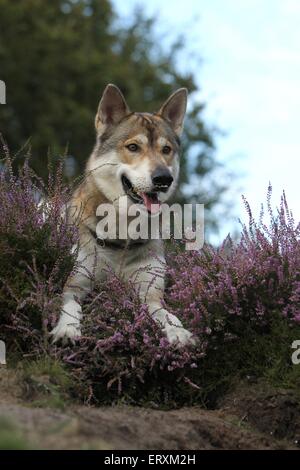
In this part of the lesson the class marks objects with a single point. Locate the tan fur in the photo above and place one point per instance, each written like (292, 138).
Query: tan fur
(109, 162)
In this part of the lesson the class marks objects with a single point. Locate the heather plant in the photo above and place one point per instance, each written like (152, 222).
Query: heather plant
(124, 353)
(36, 258)
(241, 301)
(250, 279)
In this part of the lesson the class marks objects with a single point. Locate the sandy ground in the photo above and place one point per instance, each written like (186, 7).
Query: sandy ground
(248, 418)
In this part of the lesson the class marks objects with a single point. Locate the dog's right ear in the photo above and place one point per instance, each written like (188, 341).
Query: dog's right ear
(112, 108)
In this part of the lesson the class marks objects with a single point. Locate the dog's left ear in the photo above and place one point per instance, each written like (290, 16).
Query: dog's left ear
(112, 107)
(173, 110)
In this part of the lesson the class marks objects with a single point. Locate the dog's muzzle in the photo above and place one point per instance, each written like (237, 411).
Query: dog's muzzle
(149, 199)
(161, 179)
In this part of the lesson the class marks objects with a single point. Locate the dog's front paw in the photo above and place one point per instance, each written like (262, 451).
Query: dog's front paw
(66, 332)
(179, 335)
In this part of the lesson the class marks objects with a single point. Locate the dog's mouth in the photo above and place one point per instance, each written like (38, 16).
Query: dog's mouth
(150, 199)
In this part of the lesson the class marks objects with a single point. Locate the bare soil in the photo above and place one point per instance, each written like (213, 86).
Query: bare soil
(251, 417)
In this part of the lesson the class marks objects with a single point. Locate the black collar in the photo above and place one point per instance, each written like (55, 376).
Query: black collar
(119, 244)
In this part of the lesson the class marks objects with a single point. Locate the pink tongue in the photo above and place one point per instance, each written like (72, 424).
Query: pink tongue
(152, 203)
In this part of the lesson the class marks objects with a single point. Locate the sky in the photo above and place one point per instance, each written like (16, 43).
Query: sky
(250, 79)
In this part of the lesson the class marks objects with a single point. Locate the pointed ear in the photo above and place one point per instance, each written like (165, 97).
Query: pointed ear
(173, 110)
(112, 107)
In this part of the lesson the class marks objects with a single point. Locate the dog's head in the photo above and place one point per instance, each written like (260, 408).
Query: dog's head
(137, 154)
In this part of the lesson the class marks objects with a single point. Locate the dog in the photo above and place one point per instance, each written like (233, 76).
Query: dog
(136, 157)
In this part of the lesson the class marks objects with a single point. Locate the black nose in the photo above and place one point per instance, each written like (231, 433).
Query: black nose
(162, 178)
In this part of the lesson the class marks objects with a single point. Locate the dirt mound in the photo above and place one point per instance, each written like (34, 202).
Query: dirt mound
(131, 428)
(272, 412)
(251, 417)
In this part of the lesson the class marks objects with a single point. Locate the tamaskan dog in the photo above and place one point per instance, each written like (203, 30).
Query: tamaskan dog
(136, 159)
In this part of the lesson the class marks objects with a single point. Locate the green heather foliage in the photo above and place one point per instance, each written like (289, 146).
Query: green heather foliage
(242, 302)
(45, 382)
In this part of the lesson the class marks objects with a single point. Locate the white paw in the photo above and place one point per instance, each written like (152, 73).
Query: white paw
(179, 335)
(173, 329)
(66, 331)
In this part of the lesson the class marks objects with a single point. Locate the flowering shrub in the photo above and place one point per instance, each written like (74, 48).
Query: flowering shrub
(242, 302)
(250, 279)
(35, 245)
(123, 351)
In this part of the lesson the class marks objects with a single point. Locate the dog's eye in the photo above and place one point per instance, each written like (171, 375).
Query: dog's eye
(166, 150)
(133, 147)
